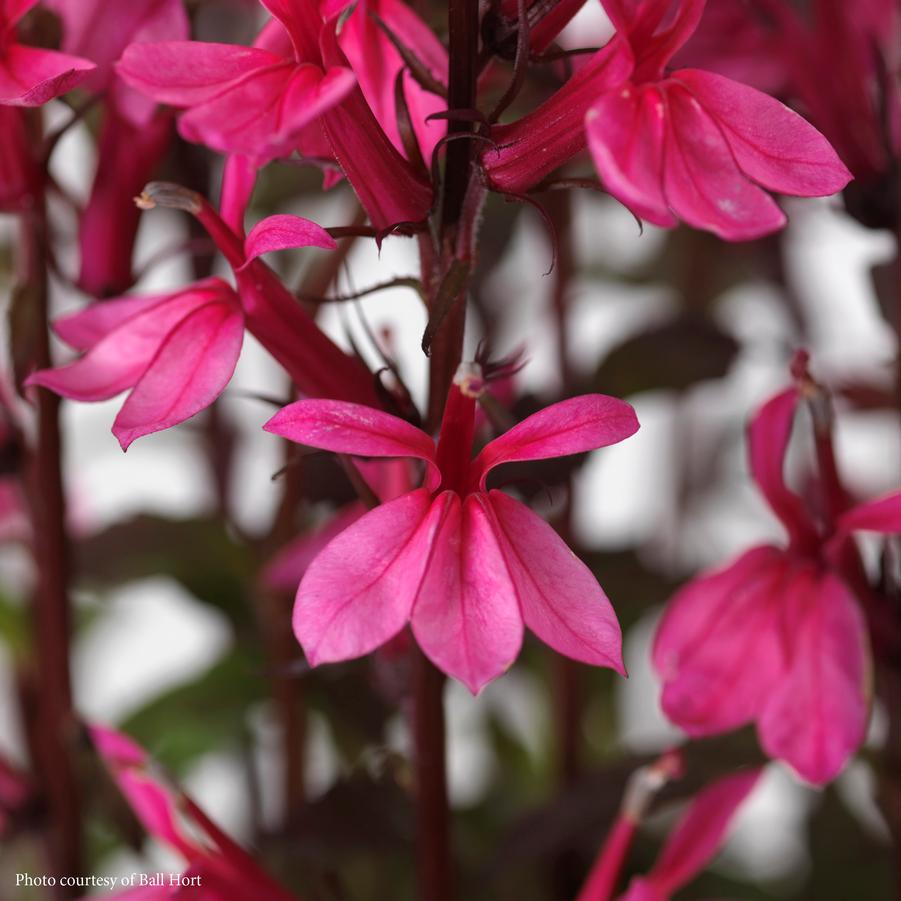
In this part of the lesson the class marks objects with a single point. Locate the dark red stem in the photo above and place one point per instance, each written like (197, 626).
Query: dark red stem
(55, 721)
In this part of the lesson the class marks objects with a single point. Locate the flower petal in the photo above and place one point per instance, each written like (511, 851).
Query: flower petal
(571, 427)
(768, 437)
(30, 76)
(192, 366)
(719, 649)
(560, 599)
(772, 144)
(303, 22)
(87, 327)
(701, 831)
(466, 616)
(353, 429)
(152, 802)
(184, 73)
(123, 336)
(882, 515)
(359, 591)
(702, 182)
(818, 716)
(282, 232)
(625, 135)
(262, 114)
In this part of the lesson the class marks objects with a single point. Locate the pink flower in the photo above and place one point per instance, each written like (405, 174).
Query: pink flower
(127, 157)
(688, 145)
(221, 868)
(694, 841)
(174, 352)
(293, 89)
(30, 76)
(20, 175)
(133, 137)
(465, 566)
(242, 99)
(778, 637)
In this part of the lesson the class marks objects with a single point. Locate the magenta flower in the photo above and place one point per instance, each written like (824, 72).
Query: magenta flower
(242, 99)
(127, 157)
(465, 566)
(218, 868)
(293, 89)
(694, 841)
(30, 76)
(134, 136)
(778, 637)
(174, 352)
(688, 145)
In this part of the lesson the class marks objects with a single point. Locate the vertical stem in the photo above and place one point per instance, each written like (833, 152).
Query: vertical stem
(433, 857)
(287, 690)
(432, 811)
(567, 682)
(55, 720)
(463, 41)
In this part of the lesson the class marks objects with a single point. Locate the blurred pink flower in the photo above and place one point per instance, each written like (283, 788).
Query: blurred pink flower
(467, 567)
(176, 352)
(778, 636)
(222, 869)
(128, 154)
(30, 76)
(20, 174)
(689, 145)
(694, 841)
(134, 135)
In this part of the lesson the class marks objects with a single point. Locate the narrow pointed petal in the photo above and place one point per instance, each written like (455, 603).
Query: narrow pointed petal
(87, 327)
(702, 830)
(719, 648)
(571, 427)
(560, 599)
(282, 232)
(152, 803)
(30, 76)
(352, 429)
(359, 591)
(184, 73)
(261, 115)
(193, 365)
(818, 717)
(466, 617)
(120, 357)
(768, 437)
(882, 515)
(772, 144)
(702, 181)
(626, 131)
